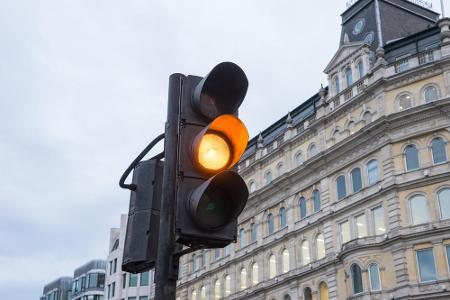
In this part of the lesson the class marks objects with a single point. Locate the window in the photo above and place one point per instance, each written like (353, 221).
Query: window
(202, 259)
(252, 186)
(444, 203)
(337, 86)
(272, 266)
(361, 226)
(312, 150)
(124, 280)
(361, 69)
(285, 260)
(401, 65)
(356, 279)
(282, 217)
(243, 279)
(227, 285)
(419, 209)
(268, 177)
(411, 157)
(340, 186)
(348, 76)
(280, 169)
(306, 257)
(194, 295)
(367, 117)
(447, 248)
(351, 127)
(316, 200)
(372, 171)
(427, 267)
(307, 294)
(299, 159)
(253, 232)
(226, 250)
(217, 290)
(242, 237)
(131, 298)
(287, 297)
(302, 207)
(143, 298)
(345, 232)
(217, 253)
(438, 150)
(270, 224)
(430, 94)
(356, 179)
(144, 279)
(320, 246)
(255, 274)
(193, 264)
(132, 281)
(405, 101)
(113, 289)
(203, 293)
(374, 277)
(115, 265)
(378, 220)
(323, 289)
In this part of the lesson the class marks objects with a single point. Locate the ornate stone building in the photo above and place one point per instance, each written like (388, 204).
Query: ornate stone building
(350, 191)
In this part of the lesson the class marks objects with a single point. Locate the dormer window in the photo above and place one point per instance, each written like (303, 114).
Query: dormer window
(348, 76)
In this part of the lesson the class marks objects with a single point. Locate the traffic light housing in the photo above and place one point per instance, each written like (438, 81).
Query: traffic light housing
(212, 139)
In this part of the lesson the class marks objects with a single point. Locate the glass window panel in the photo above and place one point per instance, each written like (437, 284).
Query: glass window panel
(323, 288)
(124, 280)
(356, 279)
(227, 285)
(272, 266)
(404, 101)
(268, 177)
(348, 76)
(143, 298)
(203, 293)
(193, 264)
(243, 279)
(411, 157)
(302, 207)
(144, 279)
(270, 223)
(242, 237)
(299, 158)
(378, 220)
(372, 170)
(448, 256)
(320, 245)
(345, 232)
(419, 209)
(306, 257)
(217, 290)
(131, 298)
(307, 294)
(438, 150)
(337, 86)
(431, 94)
(202, 259)
(217, 253)
(132, 280)
(253, 233)
(367, 117)
(255, 279)
(194, 295)
(92, 280)
(316, 199)
(444, 203)
(285, 257)
(312, 150)
(361, 226)
(340, 185)
(361, 69)
(282, 217)
(427, 267)
(252, 187)
(374, 276)
(226, 250)
(356, 179)
(101, 280)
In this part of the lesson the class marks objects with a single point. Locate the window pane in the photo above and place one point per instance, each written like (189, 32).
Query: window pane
(272, 266)
(431, 94)
(444, 203)
(124, 280)
(427, 268)
(316, 199)
(356, 180)
(302, 206)
(320, 245)
(337, 86)
(372, 170)
(92, 280)
(308, 294)
(253, 235)
(306, 258)
(378, 220)
(348, 76)
(361, 69)
(419, 209)
(411, 157)
(243, 279)
(345, 232)
(367, 117)
(282, 217)
(144, 279)
(227, 285)
(323, 288)
(194, 295)
(268, 177)
(312, 150)
(361, 227)
(357, 279)
(143, 298)
(404, 101)
(217, 290)
(448, 255)
(193, 266)
(203, 293)
(438, 150)
(374, 275)
(270, 223)
(132, 280)
(217, 253)
(340, 184)
(255, 274)
(299, 159)
(285, 261)
(242, 237)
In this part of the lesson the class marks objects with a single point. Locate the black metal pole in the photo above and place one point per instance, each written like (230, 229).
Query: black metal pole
(166, 263)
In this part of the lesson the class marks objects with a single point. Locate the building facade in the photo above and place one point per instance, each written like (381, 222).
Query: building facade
(89, 281)
(122, 285)
(58, 289)
(350, 191)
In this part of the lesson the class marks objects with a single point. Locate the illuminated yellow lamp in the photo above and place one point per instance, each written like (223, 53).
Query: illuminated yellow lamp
(221, 144)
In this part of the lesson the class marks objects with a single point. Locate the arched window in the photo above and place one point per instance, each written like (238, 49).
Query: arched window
(444, 203)
(367, 117)
(194, 295)
(252, 186)
(320, 246)
(193, 266)
(307, 294)
(419, 209)
(253, 232)
(227, 291)
(270, 224)
(351, 127)
(272, 266)
(372, 171)
(356, 279)
(316, 200)
(374, 277)
(217, 290)
(242, 237)
(268, 177)
(361, 70)
(430, 93)
(285, 260)
(337, 85)
(287, 297)
(282, 217)
(340, 187)
(280, 169)
(243, 279)
(405, 101)
(299, 158)
(306, 257)
(203, 293)
(356, 179)
(323, 289)
(312, 150)
(411, 157)
(438, 150)
(255, 279)
(348, 76)
(335, 135)
(302, 207)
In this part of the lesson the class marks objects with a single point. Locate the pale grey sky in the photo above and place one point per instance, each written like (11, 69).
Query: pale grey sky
(83, 88)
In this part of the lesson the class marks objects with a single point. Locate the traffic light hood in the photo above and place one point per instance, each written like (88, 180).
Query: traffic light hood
(221, 91)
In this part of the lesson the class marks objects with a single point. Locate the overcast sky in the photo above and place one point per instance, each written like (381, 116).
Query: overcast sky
(83, 88)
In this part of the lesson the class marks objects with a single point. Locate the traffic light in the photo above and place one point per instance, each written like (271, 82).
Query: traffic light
(212, 139)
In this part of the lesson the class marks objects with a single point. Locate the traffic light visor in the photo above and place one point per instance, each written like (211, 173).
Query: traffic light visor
(220, 145)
